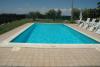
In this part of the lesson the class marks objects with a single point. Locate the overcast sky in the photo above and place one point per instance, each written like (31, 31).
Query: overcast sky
(25, 6)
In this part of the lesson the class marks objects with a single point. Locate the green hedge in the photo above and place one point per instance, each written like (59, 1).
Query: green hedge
(49, 21)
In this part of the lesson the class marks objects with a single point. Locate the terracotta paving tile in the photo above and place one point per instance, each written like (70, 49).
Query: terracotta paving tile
(50, 57)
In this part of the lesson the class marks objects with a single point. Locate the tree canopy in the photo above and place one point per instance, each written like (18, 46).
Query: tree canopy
(98, 4)
(51, 14)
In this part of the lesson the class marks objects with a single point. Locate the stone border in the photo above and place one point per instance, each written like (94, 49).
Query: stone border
(39, 45)
(6, 42)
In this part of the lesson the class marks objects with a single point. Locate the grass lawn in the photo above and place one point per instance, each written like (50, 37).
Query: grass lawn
(9, 26)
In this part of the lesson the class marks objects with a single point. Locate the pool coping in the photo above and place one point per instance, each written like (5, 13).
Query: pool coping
(6, 42)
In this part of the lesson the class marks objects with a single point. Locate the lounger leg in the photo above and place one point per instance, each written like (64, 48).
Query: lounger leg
(85, 26)
(81, 25)
(91, 29)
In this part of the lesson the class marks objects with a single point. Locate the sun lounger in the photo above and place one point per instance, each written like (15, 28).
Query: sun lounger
(98, 31)
(89, 24)
(95, 26)
(93, 22)
(84, 22)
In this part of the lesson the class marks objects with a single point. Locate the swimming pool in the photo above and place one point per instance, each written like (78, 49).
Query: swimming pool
(56, 33)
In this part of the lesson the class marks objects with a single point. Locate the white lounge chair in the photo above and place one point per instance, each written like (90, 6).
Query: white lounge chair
(98, 31)
(89, 24)
(93, 22)
(84, 22)
(95, 26)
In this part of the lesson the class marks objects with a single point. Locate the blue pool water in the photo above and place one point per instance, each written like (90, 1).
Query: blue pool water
(52, 33)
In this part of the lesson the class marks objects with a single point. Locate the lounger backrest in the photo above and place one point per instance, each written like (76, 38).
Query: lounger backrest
(93, 21)
(88, 20)
(80, 19)
(98, 24)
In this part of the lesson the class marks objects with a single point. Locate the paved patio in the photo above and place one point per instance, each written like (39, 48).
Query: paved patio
(49, 57)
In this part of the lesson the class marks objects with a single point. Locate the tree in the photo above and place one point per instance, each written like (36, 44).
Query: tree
(34, 15)
(98, 9)
(51, 14)
(31, 15)
(58, 14)
(6, 18)
(98, 5)
(37, 14)
(76, 13)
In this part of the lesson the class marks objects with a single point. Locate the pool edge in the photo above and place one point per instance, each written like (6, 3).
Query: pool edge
(6, 42)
